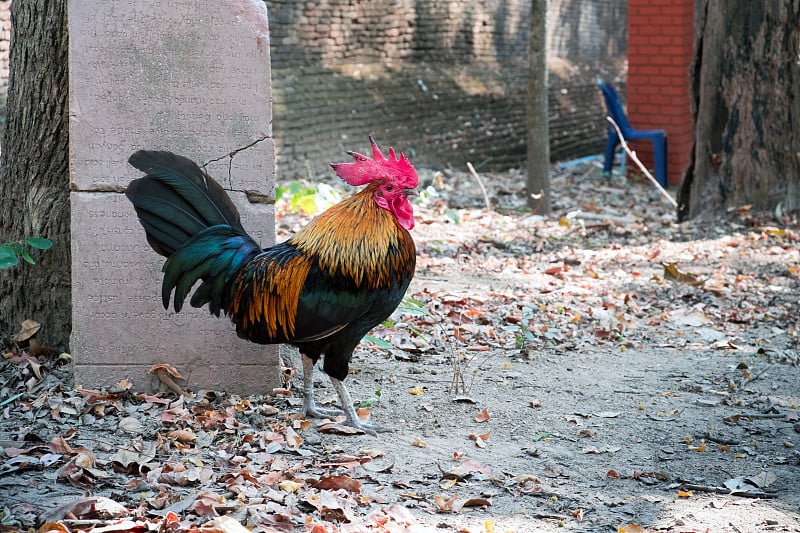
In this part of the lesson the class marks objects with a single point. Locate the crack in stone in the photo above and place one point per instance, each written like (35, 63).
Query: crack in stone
(230, 155)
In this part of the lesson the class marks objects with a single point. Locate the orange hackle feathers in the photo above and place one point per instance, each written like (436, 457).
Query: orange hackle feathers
(365, 170)
(356, 251)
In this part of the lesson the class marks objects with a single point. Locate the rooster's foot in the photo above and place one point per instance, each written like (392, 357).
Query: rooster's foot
(367, 427)
(311, 410)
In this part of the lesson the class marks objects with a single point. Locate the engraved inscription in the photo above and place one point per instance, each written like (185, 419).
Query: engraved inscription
(195, 81)
(188, 76)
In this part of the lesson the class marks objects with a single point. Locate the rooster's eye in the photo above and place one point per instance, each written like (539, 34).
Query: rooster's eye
(389, 187)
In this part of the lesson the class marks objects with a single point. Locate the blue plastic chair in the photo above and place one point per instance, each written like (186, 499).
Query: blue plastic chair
(657, 137)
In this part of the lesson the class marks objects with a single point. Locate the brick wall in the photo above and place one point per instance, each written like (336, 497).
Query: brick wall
(660, 41)
(444, 80)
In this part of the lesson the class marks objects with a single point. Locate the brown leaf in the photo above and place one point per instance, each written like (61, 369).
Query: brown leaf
(183, 435)
(59, 445)
(672, 272)
(91, 507)
(483, 416)
(473, 502)
(338, 482)
(169, 369)
(293, 440)
(444, 503)
(167, 374)
(329, 506)
(206, 504)
(468, 467)
(631, 528)
(37, 349)
(419, 443)
(480, 440)
(341, 429)
(29, 329)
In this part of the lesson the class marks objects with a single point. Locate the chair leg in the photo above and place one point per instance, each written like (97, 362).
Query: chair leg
(660, 159)
(611, 146)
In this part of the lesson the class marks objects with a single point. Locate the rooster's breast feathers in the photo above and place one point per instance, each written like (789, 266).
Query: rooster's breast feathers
(350, 264)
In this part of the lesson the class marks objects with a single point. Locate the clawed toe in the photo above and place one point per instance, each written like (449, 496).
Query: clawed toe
(367, 427)
(319, 412)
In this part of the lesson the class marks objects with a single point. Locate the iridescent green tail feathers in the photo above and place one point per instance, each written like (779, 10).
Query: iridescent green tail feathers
(189, 219)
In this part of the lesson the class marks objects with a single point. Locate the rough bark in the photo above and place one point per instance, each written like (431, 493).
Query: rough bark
(34, 175)
(745, 91)
(538, 124)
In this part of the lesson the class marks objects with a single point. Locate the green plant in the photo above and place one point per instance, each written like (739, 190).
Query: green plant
(306, 198)
(10, 252)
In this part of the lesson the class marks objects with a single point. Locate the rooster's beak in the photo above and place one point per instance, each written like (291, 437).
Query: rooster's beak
(410, 192)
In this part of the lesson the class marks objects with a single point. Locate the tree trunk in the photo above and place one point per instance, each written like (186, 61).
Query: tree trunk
(745, 92)
(34, 175)
(538, 124)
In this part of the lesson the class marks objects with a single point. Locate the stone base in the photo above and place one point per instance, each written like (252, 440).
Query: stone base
(119, 325)
(258, 377)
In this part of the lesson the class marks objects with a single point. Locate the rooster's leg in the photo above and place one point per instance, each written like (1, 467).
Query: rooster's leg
(350, 412)
(309, 405)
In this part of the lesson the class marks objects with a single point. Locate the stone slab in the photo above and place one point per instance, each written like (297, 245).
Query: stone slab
(119, 322)
(190, 77)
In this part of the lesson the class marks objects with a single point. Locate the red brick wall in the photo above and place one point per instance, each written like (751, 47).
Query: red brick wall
(660, 41)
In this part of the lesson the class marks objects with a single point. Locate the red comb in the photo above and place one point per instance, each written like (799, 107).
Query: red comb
(364, 169)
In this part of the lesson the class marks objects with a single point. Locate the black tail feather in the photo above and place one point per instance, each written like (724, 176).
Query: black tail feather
(177, 200)
(189, 218)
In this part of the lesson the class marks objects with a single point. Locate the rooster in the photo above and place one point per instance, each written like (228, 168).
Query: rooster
(322, 290)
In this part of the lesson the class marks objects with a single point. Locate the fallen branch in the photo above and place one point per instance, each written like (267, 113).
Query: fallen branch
(646, 172)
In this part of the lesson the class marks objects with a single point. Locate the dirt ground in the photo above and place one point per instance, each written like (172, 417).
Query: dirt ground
(616, 371)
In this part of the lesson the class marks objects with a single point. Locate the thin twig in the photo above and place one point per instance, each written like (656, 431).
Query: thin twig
(632, 154)
(755, 493)
(480, 183)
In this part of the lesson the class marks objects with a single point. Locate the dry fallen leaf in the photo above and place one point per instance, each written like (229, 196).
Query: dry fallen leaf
(631, 528)
(419, 443)
(131, 424)
(183, 435)
(293, 440)
(672, 272)
(338, 482)
(483, 416)
(415, 391)
(444, 503)
(341, 429)
(167, 374)
(448, 483)
(480, 440)
(288, 485)
(467, 467)
(28, 330)
(227, 524)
